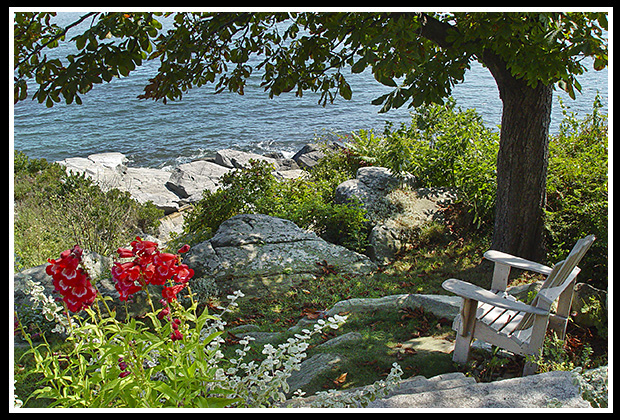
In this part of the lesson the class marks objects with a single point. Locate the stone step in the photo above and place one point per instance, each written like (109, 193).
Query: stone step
(546, 390)
(419, 384)
(413, 385)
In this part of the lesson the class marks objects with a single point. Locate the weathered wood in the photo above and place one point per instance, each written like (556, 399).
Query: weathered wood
(516, 262)
(470, 291)
(499, 319)
(466, 333)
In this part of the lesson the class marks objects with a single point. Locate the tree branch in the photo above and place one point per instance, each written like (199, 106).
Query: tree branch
(55, 38)
(435, 30)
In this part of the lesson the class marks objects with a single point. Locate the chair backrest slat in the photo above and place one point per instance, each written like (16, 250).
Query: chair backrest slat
(562, 274)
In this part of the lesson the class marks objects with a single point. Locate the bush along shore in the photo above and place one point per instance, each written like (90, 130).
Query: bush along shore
(367, 228)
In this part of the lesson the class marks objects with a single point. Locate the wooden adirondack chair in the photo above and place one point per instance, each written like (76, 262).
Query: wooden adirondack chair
(497, 318)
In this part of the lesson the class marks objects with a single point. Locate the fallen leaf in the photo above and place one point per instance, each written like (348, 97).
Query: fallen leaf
(312, 314)
(339, 381)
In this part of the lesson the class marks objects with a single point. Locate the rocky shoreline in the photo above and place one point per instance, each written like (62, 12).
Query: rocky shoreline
(393, 212)
(172, 190)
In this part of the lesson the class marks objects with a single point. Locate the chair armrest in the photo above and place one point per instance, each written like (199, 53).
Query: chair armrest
(473, 292)
(516, 262)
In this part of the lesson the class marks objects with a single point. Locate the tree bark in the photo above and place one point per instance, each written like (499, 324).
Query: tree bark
(522, 164)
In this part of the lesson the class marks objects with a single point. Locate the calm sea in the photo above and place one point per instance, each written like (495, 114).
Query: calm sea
(152, 134)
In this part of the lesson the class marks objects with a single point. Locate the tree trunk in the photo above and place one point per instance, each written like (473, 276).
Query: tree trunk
(521, 165)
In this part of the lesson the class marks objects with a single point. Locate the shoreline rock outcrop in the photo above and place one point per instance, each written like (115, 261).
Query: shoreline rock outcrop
(170, 190)
(395, 208)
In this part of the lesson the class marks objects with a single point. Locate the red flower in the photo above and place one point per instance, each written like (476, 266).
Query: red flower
(125, 253)
(183, 249)
(176, 335)
(163, 313)
(184, 273)
(170, 293)
(149, 266)
(71, 281)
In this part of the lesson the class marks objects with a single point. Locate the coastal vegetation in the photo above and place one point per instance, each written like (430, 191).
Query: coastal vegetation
(520, 191)
(54, 211)
(419, 55)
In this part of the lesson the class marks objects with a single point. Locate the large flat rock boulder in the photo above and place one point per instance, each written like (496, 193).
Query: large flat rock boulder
(171, 189)
(109, 170)
(395, 208)
(262, 255)
(190, 180)
(230, 158)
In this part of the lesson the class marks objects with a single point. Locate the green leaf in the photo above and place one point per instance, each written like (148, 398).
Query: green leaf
(345, 90)
(384, 80)
(166, 390)
(380, 99)
(215, 402)
(600, 63)
(359, 66)
(399, 99)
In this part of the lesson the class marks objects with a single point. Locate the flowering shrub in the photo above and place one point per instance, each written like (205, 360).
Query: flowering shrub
(172, 358)
(150, 266)
(72, 281)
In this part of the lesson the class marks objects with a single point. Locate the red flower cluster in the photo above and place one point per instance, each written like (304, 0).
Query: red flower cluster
(150, 266)
(71, 281)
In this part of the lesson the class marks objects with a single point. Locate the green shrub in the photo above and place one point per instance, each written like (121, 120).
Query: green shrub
(444, 146)
(577, 192)
(308, 202)
(55, 210)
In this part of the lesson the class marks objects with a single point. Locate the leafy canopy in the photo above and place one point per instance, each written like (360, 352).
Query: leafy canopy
(421, 55)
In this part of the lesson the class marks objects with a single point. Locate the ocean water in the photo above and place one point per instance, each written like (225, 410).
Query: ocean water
(152, 134)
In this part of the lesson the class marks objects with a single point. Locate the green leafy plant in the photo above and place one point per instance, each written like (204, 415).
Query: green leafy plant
(54, 210)
(163, 361)
(443, 146)
(170, 358)
(308, 202)
(577, 191)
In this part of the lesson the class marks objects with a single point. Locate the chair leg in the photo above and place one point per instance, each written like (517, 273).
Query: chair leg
(530, 368)
(465, 335)
(461, 348)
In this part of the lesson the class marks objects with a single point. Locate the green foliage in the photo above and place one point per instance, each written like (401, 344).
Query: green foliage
(308, 202)
(420, 55)
(577, 192)
(555, 355)
(543, 48)
(112, 46)
(444, 146)
(55, 210)
(107, 363)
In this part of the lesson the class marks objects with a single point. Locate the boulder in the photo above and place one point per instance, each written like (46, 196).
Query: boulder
(395, 209)
(148, 184)
(236, 159)
(108, 170)
(370, 186)
(310, 154)
(263, 255)
(313, 367)
(171, 190)
(442, 306)
(190, 180)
